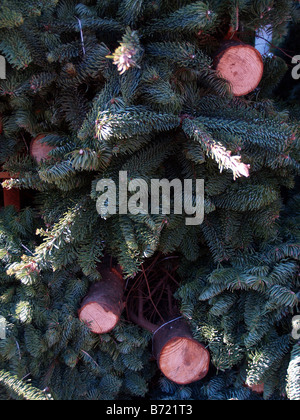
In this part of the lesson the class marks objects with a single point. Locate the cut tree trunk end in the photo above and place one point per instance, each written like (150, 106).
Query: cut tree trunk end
(259, 388)
(152, 306)
(101, 309)
(180, 358)
(38, 150)
(241, 65)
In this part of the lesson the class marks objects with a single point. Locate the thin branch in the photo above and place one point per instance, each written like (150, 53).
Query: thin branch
(274, 46)
(169, 299)
(149, 291)
(140, 320)
(171, 277)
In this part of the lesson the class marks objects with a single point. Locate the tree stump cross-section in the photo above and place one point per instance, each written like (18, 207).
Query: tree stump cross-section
(180, 357)
(241, 65)
(102, 307)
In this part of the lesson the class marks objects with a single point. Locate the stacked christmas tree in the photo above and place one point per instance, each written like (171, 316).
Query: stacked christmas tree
(106, 299)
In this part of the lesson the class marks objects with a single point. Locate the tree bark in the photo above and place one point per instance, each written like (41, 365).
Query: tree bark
(180, 358)
(102, 307)
(11, 197)
(241, 65)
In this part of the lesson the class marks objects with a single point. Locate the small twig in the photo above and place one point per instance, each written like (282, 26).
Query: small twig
(18, 346)
(139, 279)
(158, 300)
(26, 376)
(28, 250)
(48, 374)
(140, 320)
(90, 357)
(130, 291)
(81, 35)
(141, 304)
(169, 299)
(159, 284)
(169, 258)
(149, 291)
(166, 323)
(237, 19)
(26, 145)
(153, 262)
(274, 46)
(171, 277)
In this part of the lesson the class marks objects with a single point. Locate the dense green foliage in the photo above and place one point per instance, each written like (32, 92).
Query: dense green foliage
(129, 85)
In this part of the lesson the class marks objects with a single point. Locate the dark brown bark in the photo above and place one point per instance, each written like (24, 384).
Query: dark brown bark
(11, 197)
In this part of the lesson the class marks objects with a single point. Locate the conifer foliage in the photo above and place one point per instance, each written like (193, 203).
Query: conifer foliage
(110, 86)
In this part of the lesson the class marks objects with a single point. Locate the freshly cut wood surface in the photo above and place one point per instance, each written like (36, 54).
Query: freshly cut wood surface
(180, 357)
(259, 388)
(184, 360)
(98, 319)
(102, 307)
(241, 65)
(40, 150)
